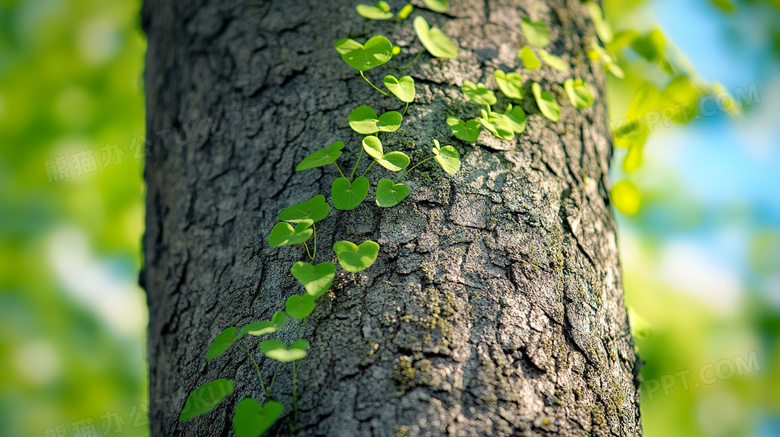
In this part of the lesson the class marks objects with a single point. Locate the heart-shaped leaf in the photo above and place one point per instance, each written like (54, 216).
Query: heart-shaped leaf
(390, 194)
(626, 197)
(602, 27)
(316, 280)
(374, 53)
(389, 121)
(447, 157)
(221, 343)
(530, 61)
(437, 5)
(346, 195)
(546, 103)
(379, 12)
(478, 93)
(511, 84)
(579, 93)
(204, 398)
(299, 306)
(498, 124)
(536, 32)
(261, 328)
(405, 12)
(394, 161)
(364, 120)
(403, 88)
(321, 157)
(314, 209)
(356, 258)
(285, 235)
(252, 420)
(553, 61)
(278, 351)
(466, 131)
(434, 40)
(516, 117)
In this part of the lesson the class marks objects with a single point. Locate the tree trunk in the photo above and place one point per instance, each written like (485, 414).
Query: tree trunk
(495, 306)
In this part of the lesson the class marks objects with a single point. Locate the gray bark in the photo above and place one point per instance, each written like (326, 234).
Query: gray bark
(495, 306)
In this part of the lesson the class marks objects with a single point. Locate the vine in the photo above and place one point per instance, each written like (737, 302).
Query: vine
(297, 224)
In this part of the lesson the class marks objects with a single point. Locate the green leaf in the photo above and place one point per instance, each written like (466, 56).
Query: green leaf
(437, 5)
(403, 88)
(390, 121)
(621, 39)
(396, 50)
(356, 258)
(278, 351)
(546, 103)
(447, 157)
(499, 125)
(389, 194)
(626, 197)
(466, 131)
(221, 343)
(511, 84)
(321, 157)
(536, 32)
(579, 93)
(516, 118)
(633, 158)
(530, 61)
(252, 420)
(260, 328)
(299, 307)
(378, 12)
(374, 53)
(346, 195)
(728, 7)
(405, 12)
(285, 235)
(478, 93)
(373, 147)
(602, 27)
(553, 61)
(650, 46)
(204, 398)
(434, 40)
(364, 120)
(316, 280)
(314, 209)
(393, 161)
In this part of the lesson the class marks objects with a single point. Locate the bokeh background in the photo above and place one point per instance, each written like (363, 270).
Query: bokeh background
(701, 254)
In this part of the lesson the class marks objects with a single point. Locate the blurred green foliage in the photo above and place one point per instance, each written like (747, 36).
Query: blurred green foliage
(71, 218)
(72, 318)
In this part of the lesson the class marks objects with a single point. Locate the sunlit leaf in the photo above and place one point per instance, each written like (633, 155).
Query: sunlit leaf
(530, 61)
(626, 197)
(390, 194)
(511, 84)
(374, 53)
(579, 93)
(354, 258)
(536, 32)
(379, 12)
(478, 93)
(466, 131)
(553, 61)
(546, 103)
(434, 40)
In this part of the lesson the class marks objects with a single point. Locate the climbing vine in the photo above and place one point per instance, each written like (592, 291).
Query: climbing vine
(298, 223)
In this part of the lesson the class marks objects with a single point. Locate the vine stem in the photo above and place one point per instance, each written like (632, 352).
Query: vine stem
(415, 166)
(314, 228)
(405, 108)
(307, 251)
(259, 375)
(369, 82)
(356, 164)
(369, 168)
(342, 174)
(406, 67)
(273, 379)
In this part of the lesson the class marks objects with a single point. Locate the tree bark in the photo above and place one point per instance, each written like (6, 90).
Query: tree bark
(495, 306)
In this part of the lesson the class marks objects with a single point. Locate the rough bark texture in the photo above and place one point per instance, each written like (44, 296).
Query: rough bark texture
(495, 307)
